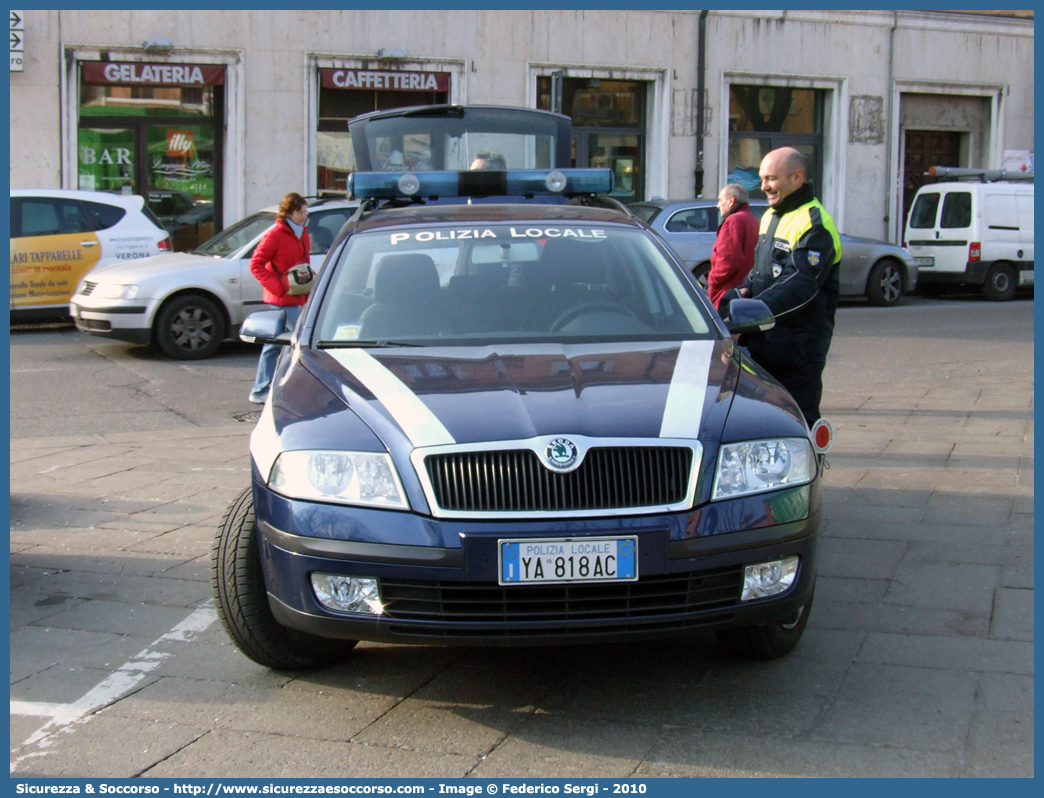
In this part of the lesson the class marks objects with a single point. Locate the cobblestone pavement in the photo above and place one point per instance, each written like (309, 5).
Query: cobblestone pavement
(918, 658)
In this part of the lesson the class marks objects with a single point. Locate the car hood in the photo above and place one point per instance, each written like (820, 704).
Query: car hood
(406, 399)
(156, 265)
(504, 393)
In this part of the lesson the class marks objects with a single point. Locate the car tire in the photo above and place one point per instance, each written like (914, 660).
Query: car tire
(1001, 282)
(238, 584)
(189, 327)
(771, 641)
(886, 284)
(700, 272)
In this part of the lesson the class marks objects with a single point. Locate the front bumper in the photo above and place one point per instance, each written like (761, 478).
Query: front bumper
(690, 573)
(121, 319)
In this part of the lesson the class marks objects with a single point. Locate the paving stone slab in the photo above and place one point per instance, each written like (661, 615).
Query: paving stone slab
(549, 746)
(467, 712)
(110, 748)
(966, 654)
(837, 588)
(896, 619)
(119, 618)
(319, 715)
(687, 753)
(859, 558)
(1012, 614)
(122, 562)
(918, 709)
(34, 649)
(230, 754)
(952, 586)
(122, 588)
(1000, 745)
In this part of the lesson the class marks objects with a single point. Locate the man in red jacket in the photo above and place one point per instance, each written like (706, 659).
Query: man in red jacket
(733, 255)
(283, 246)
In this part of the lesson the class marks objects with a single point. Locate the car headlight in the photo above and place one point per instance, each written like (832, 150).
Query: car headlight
(366, 478)
(115, 291)
(757, 466)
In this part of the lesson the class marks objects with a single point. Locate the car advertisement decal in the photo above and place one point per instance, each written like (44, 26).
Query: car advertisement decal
(421, 426)
(472, 394)
(684, 410)
(45, 270)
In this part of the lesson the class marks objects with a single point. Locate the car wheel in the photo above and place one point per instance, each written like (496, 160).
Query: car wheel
(242, 600)
(700, 272)
(190, 327)
(1001, 281)
(884, 286)
(765, 642)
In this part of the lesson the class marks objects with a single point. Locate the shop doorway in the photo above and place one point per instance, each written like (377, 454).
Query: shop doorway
(921, 150)
(142, 132)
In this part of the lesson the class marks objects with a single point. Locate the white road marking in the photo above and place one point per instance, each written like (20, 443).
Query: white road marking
(112, 687)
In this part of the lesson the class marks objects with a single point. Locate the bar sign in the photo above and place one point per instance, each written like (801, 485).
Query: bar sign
(17, 40)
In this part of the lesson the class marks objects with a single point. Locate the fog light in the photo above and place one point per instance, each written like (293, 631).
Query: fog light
(347, 593)
(768, 578)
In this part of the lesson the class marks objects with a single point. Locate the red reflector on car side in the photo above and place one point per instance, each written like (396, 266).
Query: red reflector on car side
(166, 245)
(975, 251)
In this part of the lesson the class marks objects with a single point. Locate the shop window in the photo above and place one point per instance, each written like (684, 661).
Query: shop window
(347, 93)
(608, 127)
(152, 129)
(764, 118)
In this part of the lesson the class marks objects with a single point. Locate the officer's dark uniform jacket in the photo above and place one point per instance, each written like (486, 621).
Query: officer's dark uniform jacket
(796, 274)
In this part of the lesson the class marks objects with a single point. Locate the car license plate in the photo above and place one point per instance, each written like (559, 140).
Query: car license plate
(568, 560)
(925, 261)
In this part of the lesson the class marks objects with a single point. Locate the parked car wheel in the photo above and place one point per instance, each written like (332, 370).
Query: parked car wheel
(242, 600)
(190, 327)
(1001, 281)
(700, 272)
(886, 283)
(765, 642)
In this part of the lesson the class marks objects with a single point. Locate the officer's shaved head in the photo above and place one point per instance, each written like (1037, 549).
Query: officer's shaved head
(782, 172)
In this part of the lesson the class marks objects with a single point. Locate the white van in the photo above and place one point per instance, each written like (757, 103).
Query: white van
(977, 230)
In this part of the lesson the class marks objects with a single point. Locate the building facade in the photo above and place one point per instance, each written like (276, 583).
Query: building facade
(223, 112)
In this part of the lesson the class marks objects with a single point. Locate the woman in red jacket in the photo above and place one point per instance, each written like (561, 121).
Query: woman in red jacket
(284, 246)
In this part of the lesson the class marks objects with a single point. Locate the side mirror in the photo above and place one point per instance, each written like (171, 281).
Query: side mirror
(265, 327)
(749, 315)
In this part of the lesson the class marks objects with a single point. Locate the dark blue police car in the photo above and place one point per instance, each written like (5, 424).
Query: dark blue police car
(511, 423)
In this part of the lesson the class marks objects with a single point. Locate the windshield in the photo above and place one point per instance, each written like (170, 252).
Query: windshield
(237, 236)
(507, 283)
(457, 139)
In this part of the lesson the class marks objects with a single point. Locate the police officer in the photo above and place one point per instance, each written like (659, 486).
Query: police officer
(796, 274)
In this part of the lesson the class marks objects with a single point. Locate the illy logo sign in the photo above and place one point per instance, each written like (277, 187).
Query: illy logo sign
(180, 143)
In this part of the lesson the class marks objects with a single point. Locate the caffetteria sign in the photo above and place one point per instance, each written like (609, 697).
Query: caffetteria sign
(385, 80)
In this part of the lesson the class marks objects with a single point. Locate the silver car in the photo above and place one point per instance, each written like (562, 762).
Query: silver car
(186, 303)
(880, 271)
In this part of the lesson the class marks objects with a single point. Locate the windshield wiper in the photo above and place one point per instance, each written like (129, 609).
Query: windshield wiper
(362, 344)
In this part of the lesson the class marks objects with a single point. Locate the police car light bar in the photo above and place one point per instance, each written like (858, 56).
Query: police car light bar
(479, 183)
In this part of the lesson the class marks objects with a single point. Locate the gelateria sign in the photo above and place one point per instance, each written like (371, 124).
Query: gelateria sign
(385, 80)
(139, 74)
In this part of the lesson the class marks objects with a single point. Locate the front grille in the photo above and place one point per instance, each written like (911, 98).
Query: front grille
(96, 324)
(471, 602)
(88, 287)
(610, 478)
